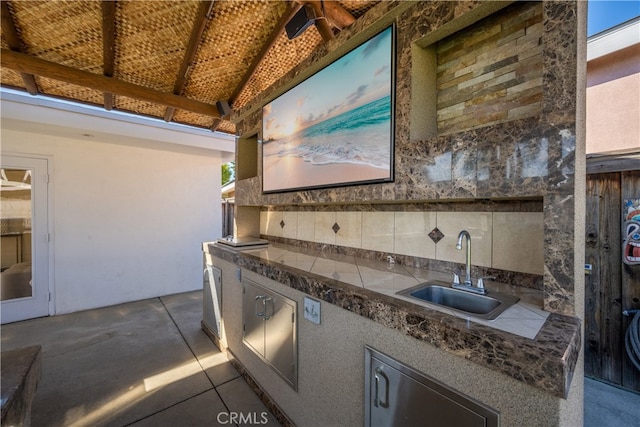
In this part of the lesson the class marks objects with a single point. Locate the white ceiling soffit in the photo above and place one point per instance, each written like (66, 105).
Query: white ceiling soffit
(617, 38)
(46, 114)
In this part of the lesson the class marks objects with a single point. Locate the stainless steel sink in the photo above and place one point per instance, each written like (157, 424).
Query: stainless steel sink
(486, 307)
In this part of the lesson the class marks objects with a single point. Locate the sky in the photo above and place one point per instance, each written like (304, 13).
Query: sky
(356, 79)
(604, 14)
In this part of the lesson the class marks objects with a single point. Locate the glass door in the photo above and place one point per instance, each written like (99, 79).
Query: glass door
(24, 277)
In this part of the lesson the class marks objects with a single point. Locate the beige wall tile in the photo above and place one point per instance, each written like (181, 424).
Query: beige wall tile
(273, 223)
(411, 235)
(350, 233)
(290, 230)
(478, 224)
(377, 231)
(323, 231)
(263, 222)
(504, 240)
(306, 226)
(518, 241)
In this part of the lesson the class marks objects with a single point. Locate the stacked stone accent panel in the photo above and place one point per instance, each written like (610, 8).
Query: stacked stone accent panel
(491, 72)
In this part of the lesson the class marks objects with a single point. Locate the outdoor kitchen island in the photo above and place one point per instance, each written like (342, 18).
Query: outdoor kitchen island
(487, 137)
(527, 381)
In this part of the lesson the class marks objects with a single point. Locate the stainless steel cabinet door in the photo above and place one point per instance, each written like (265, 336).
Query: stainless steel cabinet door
(270, 329)
(279, 336)
(253, 317)
(396, 395)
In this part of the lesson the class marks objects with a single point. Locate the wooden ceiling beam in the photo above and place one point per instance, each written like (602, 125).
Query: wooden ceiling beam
(203, 16)
(337, 15)
(29, 64)
(108, 46)
(15, 43)
(322, 25)
(292, 9)
(329, 13)
(216, 123)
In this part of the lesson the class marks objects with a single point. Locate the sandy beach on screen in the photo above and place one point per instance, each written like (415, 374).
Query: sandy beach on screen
(293, 172)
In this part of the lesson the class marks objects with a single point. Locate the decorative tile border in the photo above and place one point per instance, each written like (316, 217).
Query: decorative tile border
(501, 240)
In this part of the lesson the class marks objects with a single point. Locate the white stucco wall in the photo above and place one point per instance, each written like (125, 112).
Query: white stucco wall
(128, 216)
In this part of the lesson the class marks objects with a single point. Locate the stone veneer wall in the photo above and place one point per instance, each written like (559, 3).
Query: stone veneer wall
(491, 72)
(529, 157)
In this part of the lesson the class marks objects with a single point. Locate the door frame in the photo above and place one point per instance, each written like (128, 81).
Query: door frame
(47, 232)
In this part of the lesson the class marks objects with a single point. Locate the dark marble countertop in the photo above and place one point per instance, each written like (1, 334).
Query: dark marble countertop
(526, 343)
(20, 375)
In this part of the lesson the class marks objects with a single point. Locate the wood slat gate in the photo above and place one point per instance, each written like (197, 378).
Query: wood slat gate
(612, 285)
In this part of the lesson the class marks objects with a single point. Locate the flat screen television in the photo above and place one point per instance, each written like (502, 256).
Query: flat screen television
(335, 128)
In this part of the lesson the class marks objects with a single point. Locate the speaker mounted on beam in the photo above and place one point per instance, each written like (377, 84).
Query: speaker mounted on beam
(223, 108)
(300, 21)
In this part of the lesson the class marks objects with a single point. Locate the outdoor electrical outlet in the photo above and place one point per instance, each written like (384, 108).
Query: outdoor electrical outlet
(312, 310)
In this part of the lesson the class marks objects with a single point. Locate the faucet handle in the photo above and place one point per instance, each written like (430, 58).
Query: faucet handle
(456, 277)
(480, 284)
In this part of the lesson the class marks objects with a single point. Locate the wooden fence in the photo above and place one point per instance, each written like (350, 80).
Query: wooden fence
(612, 286)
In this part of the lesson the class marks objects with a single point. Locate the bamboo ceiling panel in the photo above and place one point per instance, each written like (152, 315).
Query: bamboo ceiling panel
(358, 7)
(151, 41)
(70, 91)
(151, 38)
(64, 32)
(189, 118)
(141, 107)
(284, 56)
(237, 31)
(10, 77)
(227, 127)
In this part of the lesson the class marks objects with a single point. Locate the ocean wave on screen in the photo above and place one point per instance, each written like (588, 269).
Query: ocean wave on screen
(359, 136)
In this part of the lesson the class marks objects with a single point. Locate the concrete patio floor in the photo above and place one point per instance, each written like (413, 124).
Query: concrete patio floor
(609, 406)
(148, 363)
(144, 363)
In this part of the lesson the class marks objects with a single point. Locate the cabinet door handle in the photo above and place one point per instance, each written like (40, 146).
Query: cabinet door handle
(259, 299)
(377, 401)
(268, 300)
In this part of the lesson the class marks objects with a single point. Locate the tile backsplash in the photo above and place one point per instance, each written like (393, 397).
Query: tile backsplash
(511, 241)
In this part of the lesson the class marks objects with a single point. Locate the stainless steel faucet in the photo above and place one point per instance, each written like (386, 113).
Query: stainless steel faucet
(467, 285)
(467, 277)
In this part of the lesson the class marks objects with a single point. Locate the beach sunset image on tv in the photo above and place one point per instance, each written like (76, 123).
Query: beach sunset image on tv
(336, 127)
